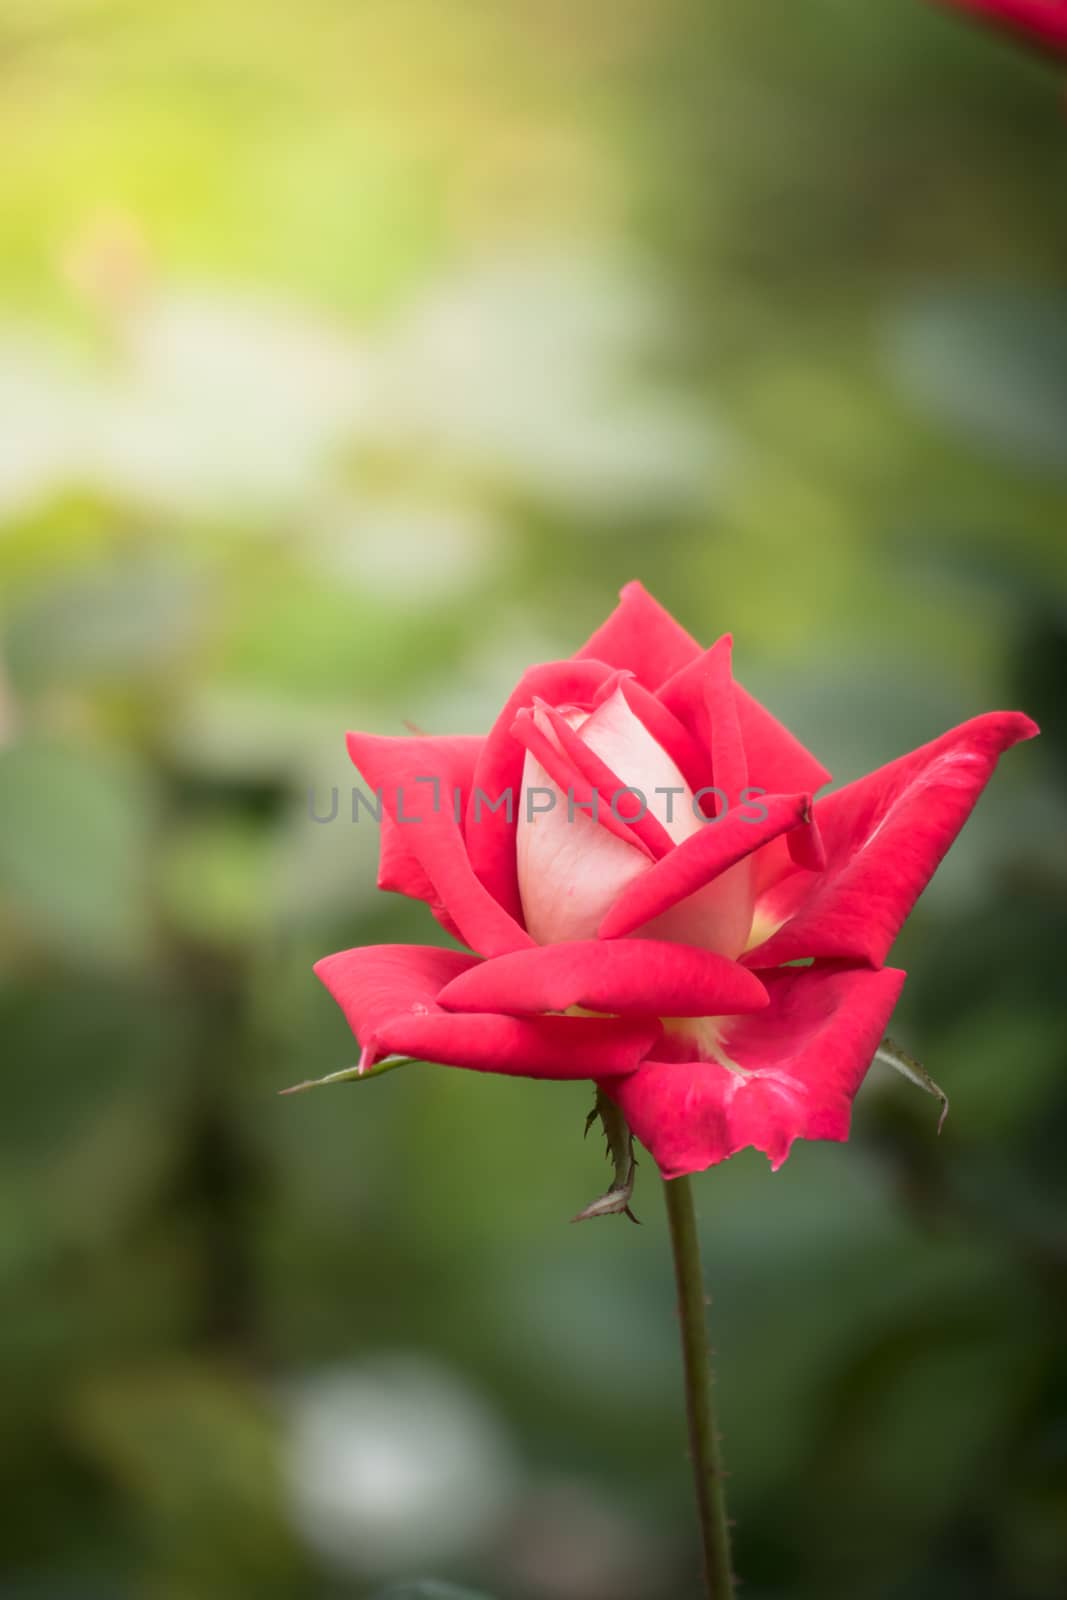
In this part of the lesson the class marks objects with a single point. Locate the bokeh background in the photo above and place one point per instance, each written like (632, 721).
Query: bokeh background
(352, 355)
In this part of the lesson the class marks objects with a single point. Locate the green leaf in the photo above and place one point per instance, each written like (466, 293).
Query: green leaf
(893, 1056)
(354, 1074)
(621, 1155)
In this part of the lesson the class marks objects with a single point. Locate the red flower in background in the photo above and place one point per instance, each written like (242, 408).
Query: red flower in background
(1042, 23)
(652, 947)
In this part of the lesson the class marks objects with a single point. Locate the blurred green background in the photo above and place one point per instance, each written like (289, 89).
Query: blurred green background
(351, 356)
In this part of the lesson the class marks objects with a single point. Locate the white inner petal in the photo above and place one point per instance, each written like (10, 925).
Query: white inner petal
(621, 739)
(572, 870)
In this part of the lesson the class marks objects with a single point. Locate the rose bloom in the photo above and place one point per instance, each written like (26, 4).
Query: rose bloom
(1042, 23)
(708, 947)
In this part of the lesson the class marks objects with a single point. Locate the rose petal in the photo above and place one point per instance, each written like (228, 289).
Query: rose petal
(729, 764)
(388, 994)
(549, 739)
(1038, 22)
(777, 761)
(489, 833)
(399, 869)
(629, 977)
(621, 740)
(796, 1067)
(884, 837)
(571, 869)
(394, 766)
(688, 754)
(642, 637)
(701, 864)
(399, 872)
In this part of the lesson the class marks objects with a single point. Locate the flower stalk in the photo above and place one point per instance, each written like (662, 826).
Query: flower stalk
(704, 1443)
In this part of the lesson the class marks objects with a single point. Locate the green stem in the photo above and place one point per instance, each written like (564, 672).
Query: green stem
(704, 1445)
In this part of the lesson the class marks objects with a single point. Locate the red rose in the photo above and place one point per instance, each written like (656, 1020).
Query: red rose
(651, 948)
(1039, 22)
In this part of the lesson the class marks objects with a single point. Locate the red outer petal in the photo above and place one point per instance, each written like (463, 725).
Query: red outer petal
(434, 840)
(805, 846)
(399, 869)
(716, 847)
(641, 636)
(399, 872)
(777, 761)
(388, 994)
(1038, 22)
(629, 977)
(776, 758)
(802, 1060)
(728, 762)
(490, 837)
(884, 837)
(688, 754)
(398, 866)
